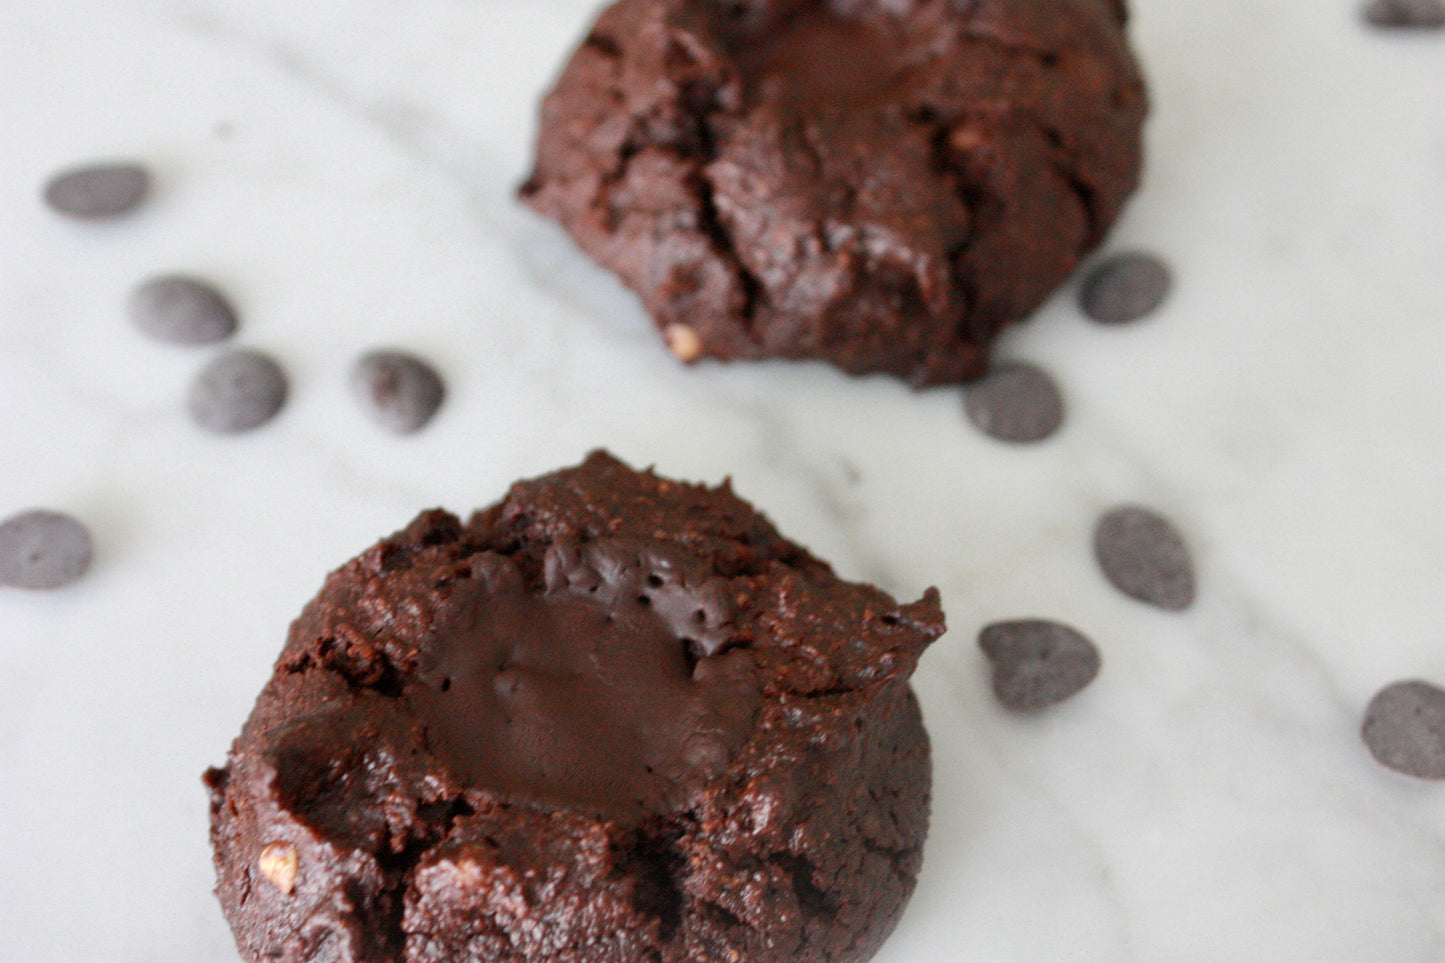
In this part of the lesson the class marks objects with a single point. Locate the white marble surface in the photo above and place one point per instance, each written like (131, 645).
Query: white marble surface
(345, 169)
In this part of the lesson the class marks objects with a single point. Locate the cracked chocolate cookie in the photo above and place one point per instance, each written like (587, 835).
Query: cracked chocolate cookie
(613, 718)
(883, 184)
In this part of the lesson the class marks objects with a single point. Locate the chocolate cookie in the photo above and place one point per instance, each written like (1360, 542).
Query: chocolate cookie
(613, 718)
(884, 185)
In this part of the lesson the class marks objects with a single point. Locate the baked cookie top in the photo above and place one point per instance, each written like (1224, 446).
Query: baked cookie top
(605, 658)
(884, 185)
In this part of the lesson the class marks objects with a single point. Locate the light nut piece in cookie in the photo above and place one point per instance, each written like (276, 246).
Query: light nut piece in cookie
(684, 342)
(278, 862)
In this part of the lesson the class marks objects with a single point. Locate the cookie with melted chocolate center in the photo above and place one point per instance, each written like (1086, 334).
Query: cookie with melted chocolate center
(882, 184)
(612, 718)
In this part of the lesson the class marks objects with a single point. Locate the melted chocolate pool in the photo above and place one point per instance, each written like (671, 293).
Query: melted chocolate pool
(611, 691)
(819, 60)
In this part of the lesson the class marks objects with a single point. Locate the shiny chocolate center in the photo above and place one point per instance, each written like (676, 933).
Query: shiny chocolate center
(611, 691)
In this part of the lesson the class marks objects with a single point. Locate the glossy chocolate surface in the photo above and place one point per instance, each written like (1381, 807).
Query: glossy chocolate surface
(608, 692)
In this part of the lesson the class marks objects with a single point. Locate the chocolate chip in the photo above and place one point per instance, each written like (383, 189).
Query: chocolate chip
(1144, 557)
(182, 310)
(1124, 288)
(1037, 663)
(97, 191)
(42, 549)
(1404, 728)
(399, 391)
(238, 391)
(1408, 14)
(1015, 402)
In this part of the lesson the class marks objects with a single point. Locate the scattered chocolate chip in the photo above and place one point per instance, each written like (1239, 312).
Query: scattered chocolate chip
(1037, 663)
(1404, 728)
(1015, 402)
(97, 191)
(1124, 288)
(1144, 557)
(42, 549)
(400, 392)
(182, 310)
(238, 391)
(1408, 14)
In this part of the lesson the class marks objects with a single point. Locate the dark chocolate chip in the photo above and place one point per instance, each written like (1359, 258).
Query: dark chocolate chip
(238, 391)
(97, 191)
(42, 549)
(1037, 663)
(399, 391)
(182, 310)
(1404, 728)
(1144, 557)
(1015, 402)
(1408, 14)
(1124, 288)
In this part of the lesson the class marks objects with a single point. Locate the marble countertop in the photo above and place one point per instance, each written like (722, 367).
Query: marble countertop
(345, 170)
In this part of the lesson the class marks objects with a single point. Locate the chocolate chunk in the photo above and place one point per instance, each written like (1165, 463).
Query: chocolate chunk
(1406, 14)
(1037, 663)
(884, 186)
(585, 696)
(236, 392)
(399, 391)
(1145, 557)
(42, 549)
(1015, 402)
(1124, 288)
(97, 191)
(1404, 728)
(182, 310)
